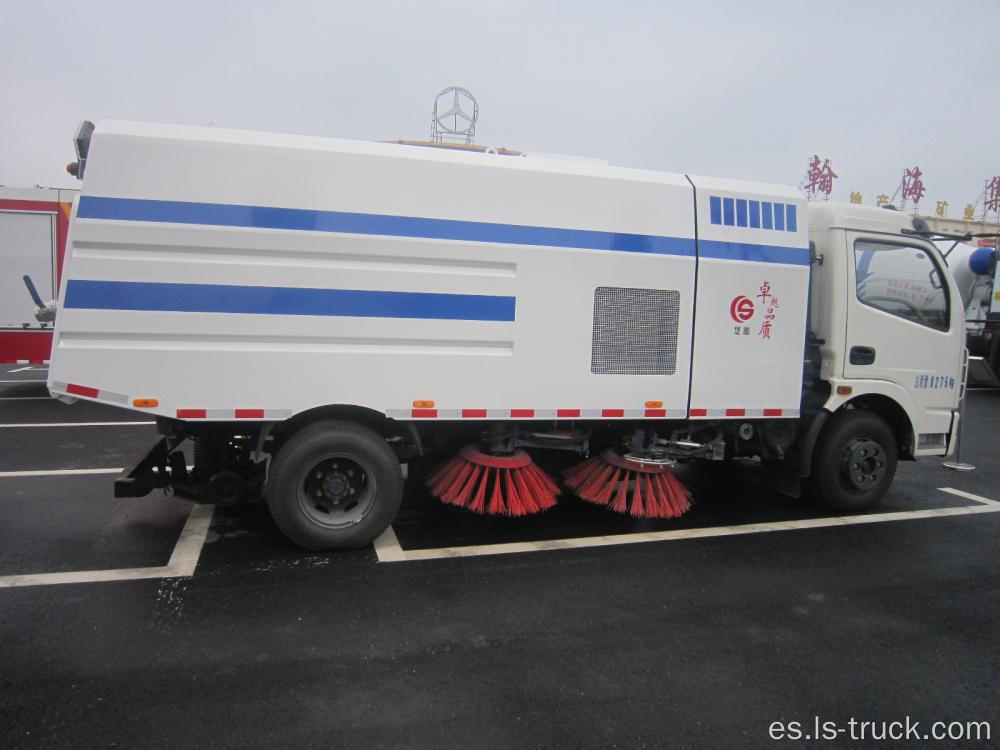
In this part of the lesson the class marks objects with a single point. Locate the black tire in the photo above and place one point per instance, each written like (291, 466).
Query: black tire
(334, 485)
(854, 461)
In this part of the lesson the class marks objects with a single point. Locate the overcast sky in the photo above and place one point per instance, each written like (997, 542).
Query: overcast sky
(734, 89)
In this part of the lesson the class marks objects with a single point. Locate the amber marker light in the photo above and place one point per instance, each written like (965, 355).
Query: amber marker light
(423, 404)
(654, 404)
(145, 403)
(844, 390)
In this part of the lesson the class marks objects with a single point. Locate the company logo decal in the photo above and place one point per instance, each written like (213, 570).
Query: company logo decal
(742, 309)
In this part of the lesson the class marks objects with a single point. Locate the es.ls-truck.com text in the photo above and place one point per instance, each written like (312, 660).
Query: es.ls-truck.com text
(908, 729)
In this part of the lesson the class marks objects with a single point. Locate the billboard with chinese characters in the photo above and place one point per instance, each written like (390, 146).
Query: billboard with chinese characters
(819, 178)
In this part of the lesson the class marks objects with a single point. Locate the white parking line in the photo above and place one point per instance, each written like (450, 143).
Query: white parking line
(969, 496)
(74, 424)
(187, 551)
(57, 472)
(387, 547)
(25, 398)
(24, 380)
(27, 369)
(182, 562)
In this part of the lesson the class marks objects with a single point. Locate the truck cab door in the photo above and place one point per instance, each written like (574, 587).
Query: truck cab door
(904, 325)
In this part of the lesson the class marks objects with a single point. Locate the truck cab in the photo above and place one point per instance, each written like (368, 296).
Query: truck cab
(887, 321)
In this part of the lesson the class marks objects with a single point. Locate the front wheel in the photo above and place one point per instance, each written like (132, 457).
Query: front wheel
(855, 460)
(334, 485)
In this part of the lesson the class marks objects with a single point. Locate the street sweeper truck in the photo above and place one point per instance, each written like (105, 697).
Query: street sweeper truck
(304, 315)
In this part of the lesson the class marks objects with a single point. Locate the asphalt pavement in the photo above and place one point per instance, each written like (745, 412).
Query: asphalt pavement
(135, 623)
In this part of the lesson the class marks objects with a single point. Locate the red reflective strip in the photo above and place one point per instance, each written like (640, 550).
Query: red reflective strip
(522, 412)
(418, 413)
(190, 413)
(249, 413)
(567, 412)
(656, 412)
(612, 412)
(699, 412)
(473, 413)
(772, 412)
(736, 412)
(13, 204)
(81, 390)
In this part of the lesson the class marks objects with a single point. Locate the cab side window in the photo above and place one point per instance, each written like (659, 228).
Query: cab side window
(902, 280)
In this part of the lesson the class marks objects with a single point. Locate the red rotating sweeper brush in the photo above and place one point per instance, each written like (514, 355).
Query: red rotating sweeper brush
(605, 480)
(496, 485)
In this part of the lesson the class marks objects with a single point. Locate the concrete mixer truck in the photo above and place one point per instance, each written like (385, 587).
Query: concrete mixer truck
(974, 269)
(308, 314)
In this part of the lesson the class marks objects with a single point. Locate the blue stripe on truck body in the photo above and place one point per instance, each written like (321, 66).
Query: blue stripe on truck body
(715, 249)
(264, 217)
(263, 300)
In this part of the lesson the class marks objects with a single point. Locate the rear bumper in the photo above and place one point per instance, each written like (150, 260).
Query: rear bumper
(147, 473)
(164, 466)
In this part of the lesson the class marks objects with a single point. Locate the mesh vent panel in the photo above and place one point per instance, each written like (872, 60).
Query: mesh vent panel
(635, 331)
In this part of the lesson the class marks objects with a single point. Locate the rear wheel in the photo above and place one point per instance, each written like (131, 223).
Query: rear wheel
(334, 485)
(855, 460)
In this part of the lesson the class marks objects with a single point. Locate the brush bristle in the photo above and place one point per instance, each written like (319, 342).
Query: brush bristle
(640, 493)
(493, 490)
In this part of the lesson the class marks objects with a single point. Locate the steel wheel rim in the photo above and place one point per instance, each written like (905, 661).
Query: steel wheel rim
(337, 492)
(863, 463)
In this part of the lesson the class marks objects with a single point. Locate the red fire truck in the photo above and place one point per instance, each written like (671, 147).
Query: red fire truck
(33, 225)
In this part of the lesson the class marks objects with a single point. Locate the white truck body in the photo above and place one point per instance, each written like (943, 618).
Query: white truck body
(226, 273)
